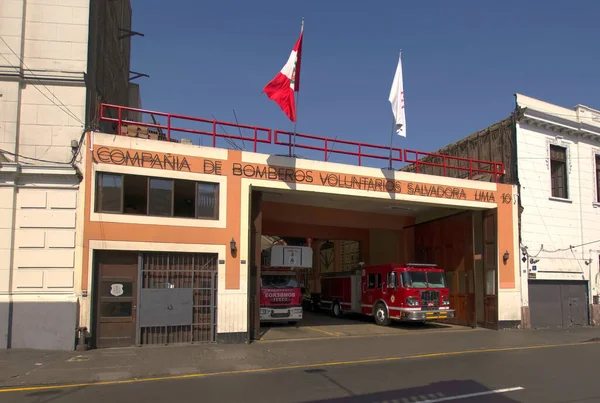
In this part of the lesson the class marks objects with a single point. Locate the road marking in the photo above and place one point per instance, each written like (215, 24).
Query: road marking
(402, 333)
(322, 331)
(289, 367)
(477, 394)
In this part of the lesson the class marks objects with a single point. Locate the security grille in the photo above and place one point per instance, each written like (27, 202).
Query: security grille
(178, 298)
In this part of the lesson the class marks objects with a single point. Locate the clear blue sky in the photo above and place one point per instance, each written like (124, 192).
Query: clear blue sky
(463, 61)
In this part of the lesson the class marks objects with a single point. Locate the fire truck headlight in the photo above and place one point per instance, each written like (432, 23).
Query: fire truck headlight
(445, 300)
(412, 301)
(264, 311)
(297, 311)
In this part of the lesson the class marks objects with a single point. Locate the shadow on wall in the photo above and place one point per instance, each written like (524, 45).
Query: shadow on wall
(433, 392)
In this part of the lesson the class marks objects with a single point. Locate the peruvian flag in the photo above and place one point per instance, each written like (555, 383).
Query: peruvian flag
(281, 89)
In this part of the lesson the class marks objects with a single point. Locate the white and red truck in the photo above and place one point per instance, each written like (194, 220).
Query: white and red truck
(280, 291)
(411, 292)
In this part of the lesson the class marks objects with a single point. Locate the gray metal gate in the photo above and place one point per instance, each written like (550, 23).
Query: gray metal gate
(178, 298)
(558, 303)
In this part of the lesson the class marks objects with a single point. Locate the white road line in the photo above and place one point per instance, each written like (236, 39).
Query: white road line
(469, 395)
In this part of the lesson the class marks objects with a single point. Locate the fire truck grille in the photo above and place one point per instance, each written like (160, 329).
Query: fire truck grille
(430, 300)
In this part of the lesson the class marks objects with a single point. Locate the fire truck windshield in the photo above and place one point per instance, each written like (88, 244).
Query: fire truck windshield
(422, 279)
(278, 281)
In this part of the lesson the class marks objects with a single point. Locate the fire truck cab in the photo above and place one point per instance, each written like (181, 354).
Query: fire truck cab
(411, 292)
(280, 291)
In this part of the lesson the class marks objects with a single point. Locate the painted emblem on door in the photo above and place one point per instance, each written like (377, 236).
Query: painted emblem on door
(116, 290)
(393, 298)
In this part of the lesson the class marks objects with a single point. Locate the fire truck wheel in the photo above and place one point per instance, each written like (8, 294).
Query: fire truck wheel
(382, 317)
(336, 311)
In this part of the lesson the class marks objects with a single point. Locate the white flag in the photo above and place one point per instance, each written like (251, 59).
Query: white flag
(397, 100)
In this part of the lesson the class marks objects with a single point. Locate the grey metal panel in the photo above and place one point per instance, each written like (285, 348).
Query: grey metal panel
(138, 330)
(575, 303)
(44, 325)
(166, 307)
(558, 303)
(545, 304)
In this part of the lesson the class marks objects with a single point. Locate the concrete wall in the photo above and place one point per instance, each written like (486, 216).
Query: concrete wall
(384, 246)
(109, 58)
(549, 226)
(45, 110)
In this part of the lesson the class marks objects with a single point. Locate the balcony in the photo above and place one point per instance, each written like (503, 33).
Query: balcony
(215, 133)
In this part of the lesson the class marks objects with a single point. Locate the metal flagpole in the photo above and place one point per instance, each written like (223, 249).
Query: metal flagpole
(297, 100)
(392, 139)
(295, 123)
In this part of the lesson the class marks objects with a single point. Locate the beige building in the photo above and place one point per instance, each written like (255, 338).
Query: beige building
(53, 74)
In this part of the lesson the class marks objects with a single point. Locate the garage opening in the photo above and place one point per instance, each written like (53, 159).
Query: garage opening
(347, 235)
(149, 298)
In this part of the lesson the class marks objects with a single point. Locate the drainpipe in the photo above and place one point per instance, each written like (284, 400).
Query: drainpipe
(11, 266)
(518, 183)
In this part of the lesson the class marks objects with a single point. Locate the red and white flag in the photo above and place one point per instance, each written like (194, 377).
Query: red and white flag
(281, 88)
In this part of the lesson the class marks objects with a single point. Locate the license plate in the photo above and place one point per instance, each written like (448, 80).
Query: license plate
(280, 314)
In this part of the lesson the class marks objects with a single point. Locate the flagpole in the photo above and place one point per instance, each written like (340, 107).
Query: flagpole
(297, 102)
(392, 140)
(295, 123)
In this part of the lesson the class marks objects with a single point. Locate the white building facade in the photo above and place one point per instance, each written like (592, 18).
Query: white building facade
(49, 84)
(558, 171)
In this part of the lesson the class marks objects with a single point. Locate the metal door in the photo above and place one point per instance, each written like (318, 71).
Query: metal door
(116, 298)
(576, 303)
(178, 298)
(558, 303)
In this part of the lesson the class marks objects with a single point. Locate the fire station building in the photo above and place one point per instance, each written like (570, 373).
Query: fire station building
(173, 232)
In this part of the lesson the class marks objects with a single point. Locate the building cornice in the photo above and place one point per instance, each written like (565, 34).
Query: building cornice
(559, 125)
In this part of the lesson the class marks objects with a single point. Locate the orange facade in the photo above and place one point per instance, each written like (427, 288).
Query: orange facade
(280, 218)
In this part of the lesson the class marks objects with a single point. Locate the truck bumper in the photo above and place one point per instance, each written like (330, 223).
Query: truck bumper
(292, 314)
(419, 316)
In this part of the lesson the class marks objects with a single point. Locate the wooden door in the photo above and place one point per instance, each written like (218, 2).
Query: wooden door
(116, 298)
(490, 268)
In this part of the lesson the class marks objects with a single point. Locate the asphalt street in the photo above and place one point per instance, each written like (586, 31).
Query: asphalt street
(548, 375)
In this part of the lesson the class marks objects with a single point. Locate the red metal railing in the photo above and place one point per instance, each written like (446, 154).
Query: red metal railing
(449, 162)
(261, 135)
(171, 125)
(328, 147)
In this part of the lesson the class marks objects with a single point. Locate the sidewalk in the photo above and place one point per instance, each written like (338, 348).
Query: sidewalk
(28, 367)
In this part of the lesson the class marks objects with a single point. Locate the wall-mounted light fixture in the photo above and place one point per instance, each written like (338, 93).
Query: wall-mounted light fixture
(505, 257)
(232, 245)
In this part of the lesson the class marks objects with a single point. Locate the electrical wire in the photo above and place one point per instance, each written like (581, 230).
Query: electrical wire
(570, 248)
(33, 158)
(68, 111)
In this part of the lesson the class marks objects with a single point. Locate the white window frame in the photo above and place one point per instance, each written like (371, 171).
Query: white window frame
(566, 146)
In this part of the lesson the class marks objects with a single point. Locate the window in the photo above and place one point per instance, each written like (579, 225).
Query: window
(142, 195)
(109, 193)
(208, 200)
(374, 280)
(161, 197)
(135, 194)
(392, 280)
(558, 171)
(598, 178)
(422, 279)
(184, 198)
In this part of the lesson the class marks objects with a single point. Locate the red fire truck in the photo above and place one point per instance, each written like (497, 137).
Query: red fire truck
(412, 292)
(280, 293)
